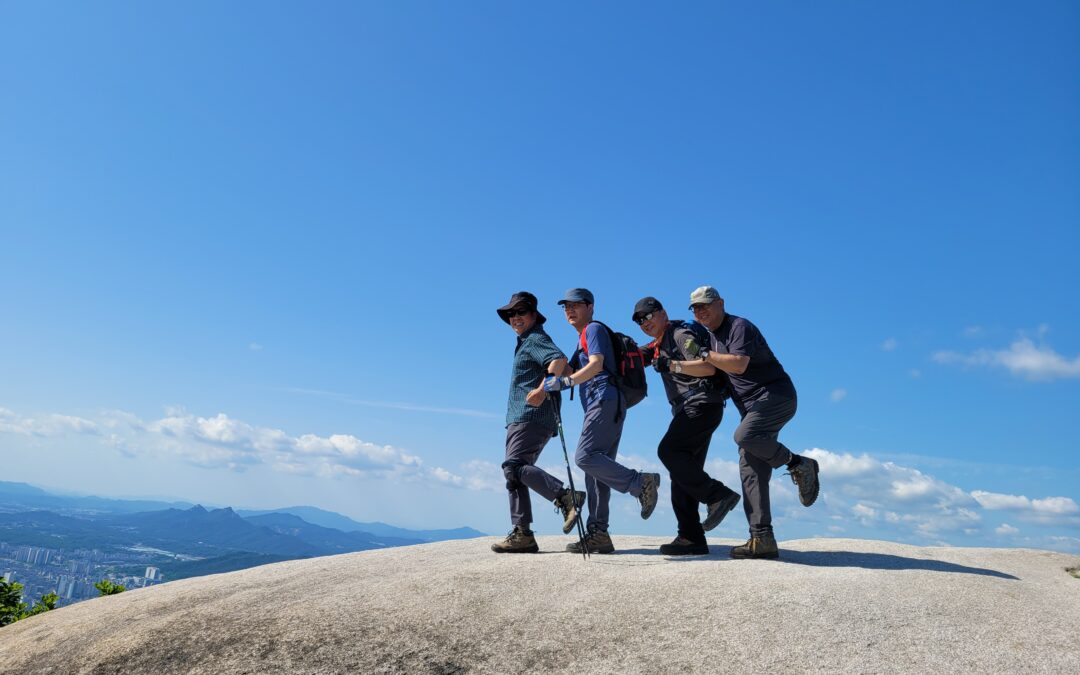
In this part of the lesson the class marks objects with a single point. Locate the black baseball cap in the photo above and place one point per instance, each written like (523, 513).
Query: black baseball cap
(644, 306)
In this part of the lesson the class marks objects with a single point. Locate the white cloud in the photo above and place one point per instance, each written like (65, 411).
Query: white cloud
(889, 345)
(1054, 506)
(255, 347)
(1023, 358)
(1006, 529)
(838, 395)
(50, 424)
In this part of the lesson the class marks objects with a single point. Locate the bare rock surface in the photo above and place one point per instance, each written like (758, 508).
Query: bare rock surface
(828, 605)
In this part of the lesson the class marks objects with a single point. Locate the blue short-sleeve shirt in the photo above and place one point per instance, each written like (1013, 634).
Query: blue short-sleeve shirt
(534, 353)
(600, 387)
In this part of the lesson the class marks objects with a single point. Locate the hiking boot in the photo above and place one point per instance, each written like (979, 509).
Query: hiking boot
(570, 506)
(805, 476)
(681, 546)
(598, 541)
(762, 546)
(719, 509)
(650, 484)
(519, 540)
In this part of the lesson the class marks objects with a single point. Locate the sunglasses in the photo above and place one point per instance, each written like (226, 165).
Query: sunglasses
(511, 313)
(643, 319)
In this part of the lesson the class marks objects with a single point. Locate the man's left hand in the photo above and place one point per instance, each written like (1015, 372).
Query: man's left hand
(662, 364)
(552, 383)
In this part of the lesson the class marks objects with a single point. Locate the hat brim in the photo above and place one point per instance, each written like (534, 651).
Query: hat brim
(505, 309)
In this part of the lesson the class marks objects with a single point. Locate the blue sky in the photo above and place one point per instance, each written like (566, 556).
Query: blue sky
(251, 252)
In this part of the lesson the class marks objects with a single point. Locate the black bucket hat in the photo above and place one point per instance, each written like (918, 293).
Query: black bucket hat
(518, 298)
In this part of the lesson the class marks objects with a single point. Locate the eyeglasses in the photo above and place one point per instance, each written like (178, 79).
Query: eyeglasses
(700, 306)
(647, 317)
(511, 313)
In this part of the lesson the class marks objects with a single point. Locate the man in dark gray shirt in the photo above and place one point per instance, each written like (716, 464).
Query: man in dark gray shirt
(696, 393)
(765, 397)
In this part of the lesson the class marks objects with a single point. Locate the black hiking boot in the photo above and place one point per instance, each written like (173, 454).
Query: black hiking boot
(570, 507)
(719, 509)
(597, 540)
(650, 484)
(762, 546)
(519, 540)
(805, 476)
(681, 546)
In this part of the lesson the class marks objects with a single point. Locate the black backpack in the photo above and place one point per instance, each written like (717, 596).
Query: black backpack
(628, 371)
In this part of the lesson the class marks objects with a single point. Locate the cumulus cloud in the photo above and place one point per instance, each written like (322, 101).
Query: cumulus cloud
(837, 395)
(889, 345)
(1023, 358)
(1006, 529)
(220, 441)
(888, 496)
(1054, 506)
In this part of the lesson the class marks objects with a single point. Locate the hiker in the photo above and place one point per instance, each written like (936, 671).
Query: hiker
(766, 400)
(696, 393)
(593, 365)
(530, 423)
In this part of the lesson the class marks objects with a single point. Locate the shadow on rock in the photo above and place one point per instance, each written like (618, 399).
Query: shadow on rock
(881, 561)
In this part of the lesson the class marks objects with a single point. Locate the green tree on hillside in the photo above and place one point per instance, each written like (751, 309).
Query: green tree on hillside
(106, 587)
(12, 608)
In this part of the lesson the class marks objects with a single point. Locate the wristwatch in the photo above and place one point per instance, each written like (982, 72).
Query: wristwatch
(676, 366)
(704, 354)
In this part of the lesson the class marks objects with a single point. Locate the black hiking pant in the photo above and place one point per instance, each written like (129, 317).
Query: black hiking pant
(683, 450)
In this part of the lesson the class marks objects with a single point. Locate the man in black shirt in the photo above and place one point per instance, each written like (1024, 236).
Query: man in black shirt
(766, 399)
(696, 393)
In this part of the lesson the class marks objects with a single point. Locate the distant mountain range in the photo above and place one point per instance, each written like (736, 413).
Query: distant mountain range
(221, 539)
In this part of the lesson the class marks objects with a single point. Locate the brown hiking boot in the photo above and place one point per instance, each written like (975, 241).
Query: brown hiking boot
(570, 506)
(519, 540)
(763, 546)
(597, 541)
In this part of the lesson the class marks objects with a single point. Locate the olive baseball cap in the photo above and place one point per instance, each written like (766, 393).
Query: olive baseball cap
(578, 295)
(705, 295)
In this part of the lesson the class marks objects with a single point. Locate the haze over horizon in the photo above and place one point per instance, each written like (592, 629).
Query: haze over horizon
(252, 253)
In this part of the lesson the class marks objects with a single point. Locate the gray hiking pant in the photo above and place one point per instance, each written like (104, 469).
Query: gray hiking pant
(596, 451)
(759, 453)
(524, 441)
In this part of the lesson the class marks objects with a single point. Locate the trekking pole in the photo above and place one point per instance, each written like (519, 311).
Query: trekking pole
(570, 476)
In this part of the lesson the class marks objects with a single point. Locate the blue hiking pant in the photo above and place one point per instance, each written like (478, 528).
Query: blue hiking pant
(596, 451)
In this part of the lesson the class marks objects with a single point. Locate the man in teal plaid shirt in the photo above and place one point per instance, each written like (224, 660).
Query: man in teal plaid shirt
(530, 424)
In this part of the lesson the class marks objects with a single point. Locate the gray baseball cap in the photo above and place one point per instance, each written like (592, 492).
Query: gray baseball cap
(578, 295)
(704, 295)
